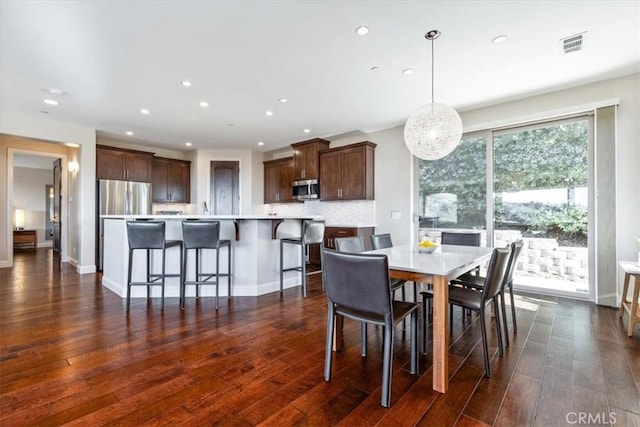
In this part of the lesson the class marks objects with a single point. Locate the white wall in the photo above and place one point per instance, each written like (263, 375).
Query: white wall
(29, 193)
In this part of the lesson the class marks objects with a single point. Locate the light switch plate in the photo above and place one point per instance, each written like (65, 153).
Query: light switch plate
(396, 215)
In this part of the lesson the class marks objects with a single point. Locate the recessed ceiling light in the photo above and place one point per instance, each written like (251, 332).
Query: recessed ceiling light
(185, 83)
(54, 91)
(362, 30)
(307, 130)
(188, 144)
(283, 100)
(144, 111)
(407, 71)
(268, 113)
(374, 68)
(204, 104)
(260, 143)
(72, 145)
(51, 102)
(499, 39)
(129, 133)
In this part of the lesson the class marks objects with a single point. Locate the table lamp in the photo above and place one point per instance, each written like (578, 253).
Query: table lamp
(19, 219)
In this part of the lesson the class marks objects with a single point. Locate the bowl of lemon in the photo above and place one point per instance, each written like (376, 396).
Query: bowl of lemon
(426, 247)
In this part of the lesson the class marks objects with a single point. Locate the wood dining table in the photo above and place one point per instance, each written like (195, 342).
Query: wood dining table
(437, 268)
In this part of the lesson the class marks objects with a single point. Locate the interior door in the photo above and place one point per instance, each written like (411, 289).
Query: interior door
(56, 222)
(225, 194)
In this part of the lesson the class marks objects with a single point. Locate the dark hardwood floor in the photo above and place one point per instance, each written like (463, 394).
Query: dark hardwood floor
(70, 355)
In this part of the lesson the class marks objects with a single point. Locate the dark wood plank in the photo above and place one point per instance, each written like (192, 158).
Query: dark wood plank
(70, 354)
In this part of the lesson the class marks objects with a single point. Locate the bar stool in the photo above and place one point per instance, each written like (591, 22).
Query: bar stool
(200, 235)
(631, 306)
(149, 236)
(312, 233)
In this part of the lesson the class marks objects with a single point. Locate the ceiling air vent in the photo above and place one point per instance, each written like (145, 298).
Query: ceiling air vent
(572, 43)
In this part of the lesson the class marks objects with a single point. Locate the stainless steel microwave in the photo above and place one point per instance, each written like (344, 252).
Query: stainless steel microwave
(305, 189)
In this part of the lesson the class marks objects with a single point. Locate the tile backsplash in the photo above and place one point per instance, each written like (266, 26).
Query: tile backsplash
(334, 213)
(184, 208)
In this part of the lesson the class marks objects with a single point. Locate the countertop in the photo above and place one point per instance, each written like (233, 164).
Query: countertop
(352, 225)
(213, 217)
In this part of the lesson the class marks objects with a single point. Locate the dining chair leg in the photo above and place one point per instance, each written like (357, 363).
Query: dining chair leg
(513, 308)
(414, 343)
(485, 350)
(503, 305)
(328, 351)
(386, 365)
(451, 317)
(425, 324)
(496, 312)
(363, 333)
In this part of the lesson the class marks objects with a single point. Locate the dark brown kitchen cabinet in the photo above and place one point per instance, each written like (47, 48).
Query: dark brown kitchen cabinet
(123, 164)
(305, 158)
(347, 173)
(170, 180)
(278, 178)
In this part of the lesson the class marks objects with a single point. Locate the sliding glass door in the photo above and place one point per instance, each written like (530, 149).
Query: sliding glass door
(540, 189)
(534, 186)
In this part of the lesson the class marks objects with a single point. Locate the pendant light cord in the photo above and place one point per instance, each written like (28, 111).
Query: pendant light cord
(432, 71)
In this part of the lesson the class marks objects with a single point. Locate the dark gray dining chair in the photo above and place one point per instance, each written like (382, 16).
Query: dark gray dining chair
(447, 238)
(358, 288)
(349, 244)
(478, 300)
(477, 282)
(382, 241)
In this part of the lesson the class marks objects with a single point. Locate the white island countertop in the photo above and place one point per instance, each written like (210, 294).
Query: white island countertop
(255, 253)
(215, 217)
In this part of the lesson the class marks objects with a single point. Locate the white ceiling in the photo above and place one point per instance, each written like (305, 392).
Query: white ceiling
(113, 58)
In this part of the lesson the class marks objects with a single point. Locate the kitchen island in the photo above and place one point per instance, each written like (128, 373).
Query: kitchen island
(254, 247)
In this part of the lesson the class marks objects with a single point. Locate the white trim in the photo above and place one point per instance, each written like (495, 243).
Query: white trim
(86, 269)
(541, 115)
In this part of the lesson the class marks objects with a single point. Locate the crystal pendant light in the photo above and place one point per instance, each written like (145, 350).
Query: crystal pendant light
(433, 130)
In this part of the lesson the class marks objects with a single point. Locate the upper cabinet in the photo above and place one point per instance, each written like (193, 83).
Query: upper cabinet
(347, 173)
(123, 164)
(278, 177)
(305, 158)
(171, 180)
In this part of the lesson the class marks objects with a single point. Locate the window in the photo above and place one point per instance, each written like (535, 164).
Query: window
(453, 189)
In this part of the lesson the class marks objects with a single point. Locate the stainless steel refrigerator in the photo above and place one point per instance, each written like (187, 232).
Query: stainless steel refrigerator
(119, 198)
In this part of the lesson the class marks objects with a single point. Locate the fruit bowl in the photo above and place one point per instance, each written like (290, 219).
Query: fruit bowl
(426, 249)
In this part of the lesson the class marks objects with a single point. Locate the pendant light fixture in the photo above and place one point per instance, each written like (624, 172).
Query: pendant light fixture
(433, 130)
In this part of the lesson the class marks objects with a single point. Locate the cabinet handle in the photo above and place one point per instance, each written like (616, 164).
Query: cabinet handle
(303, 173)
(277, 197)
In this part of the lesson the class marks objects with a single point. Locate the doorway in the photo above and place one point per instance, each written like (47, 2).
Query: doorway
(225, 191)
(35, 170)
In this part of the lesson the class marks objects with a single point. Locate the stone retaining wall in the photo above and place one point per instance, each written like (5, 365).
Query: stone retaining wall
(540, 257)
